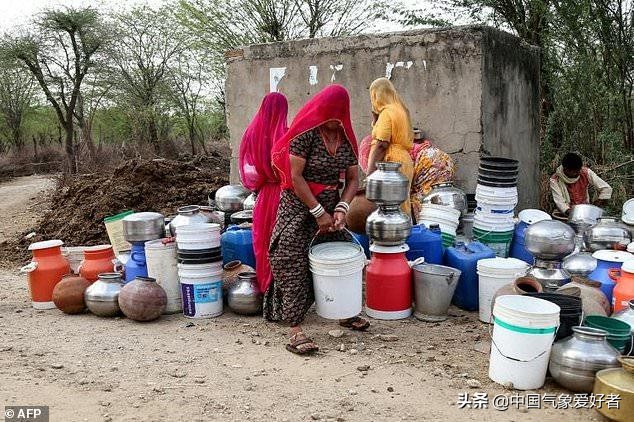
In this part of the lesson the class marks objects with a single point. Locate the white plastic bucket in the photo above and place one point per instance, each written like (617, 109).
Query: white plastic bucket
(493, 192)
(523, 333)
(337, 269)
(201, 289)
(493, 274)
(198, 236)
(488, 224)
(162, 265)
(442, 211)
(449, 229)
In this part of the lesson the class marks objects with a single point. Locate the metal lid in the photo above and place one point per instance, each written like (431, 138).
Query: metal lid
(46, 244)
(613, 256)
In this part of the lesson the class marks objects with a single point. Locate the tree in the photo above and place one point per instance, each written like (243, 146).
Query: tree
(16, 97)
(59, 54)
(338, 17)
(141, 56)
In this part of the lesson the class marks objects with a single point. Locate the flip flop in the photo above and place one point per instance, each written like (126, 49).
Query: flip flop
(356, 324)
(293, 347)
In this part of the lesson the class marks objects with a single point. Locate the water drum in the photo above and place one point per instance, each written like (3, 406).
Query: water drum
(201, 289)
(523, 332)
(337, 269)
(160, 257)
(493, 274)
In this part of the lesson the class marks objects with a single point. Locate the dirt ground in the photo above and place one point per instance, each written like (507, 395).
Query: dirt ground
(236, 368)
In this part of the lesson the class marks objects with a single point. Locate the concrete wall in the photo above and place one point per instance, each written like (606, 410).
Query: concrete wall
(441, 74)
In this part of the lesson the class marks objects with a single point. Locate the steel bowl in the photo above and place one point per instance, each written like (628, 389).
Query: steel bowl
(230, 198)
(608, 233)
(580, 264)
(549, 240)
(585, 214)
(143, 226)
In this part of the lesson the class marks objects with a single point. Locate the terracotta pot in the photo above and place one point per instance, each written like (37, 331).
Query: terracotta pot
(97, 260)
(68, 294)
(594, 301)
(142, 299)
(360, 209)
(520, 286)
(230, 274)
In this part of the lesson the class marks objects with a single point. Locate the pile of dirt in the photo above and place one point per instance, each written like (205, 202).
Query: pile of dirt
(80, 203)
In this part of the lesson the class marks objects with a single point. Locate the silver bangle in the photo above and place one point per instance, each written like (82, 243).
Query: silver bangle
(341, 209)
(344, 205)
(318, 211)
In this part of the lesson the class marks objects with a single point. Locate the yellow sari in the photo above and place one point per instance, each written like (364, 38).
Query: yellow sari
(393, 126)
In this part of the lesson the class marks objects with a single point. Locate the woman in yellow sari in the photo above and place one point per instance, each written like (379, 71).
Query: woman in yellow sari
(392, 134)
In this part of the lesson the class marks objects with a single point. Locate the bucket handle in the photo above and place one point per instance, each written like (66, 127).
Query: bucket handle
(417, 261)
(354, 239)
(612, 273)
(515, 359)
(29, 268)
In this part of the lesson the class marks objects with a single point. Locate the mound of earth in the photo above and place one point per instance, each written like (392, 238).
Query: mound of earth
(80, 203)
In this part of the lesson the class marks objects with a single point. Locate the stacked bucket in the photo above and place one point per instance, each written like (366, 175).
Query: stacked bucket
(200, 269)
(446, 217)
(496, 197)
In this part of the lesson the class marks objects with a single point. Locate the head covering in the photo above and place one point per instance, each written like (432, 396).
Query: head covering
(383, 96)
(256, 173)
(267, 125)
(331, 103)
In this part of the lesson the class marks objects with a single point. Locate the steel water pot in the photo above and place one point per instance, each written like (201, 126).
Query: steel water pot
(102, 296)
(434, 286)
(244, 296)
(608, 233)
(575, 360)
(449, 195)
(388, 226)
(387, 185)
(549, 240)
(230, 198)
(190, 214)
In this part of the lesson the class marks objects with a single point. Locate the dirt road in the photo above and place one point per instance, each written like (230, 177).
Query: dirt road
(19, 202)
(236, 368)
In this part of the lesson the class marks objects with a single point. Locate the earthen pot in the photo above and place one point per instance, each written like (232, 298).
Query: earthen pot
(142, 299)
(230, 274)
(593, 300)
(68, 294)
(520, 286)
(360, 209)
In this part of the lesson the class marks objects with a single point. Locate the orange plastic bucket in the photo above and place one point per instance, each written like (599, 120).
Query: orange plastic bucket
(97, 260)
(46, 269)
(624, 290)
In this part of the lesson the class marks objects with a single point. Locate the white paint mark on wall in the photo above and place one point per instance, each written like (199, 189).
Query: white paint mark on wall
(409, 64)
(388, 70)
(425, 64)
(389, 67)
(335, 69)
(312, 75)
(276, 74)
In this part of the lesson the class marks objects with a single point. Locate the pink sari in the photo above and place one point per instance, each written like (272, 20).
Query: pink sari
(257, 175)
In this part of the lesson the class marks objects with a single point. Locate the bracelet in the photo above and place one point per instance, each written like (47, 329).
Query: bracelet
(343, 205)
(318, 211)
(341, 209)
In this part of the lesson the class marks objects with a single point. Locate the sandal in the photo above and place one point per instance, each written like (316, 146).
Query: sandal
(301, 345)
(355, 324)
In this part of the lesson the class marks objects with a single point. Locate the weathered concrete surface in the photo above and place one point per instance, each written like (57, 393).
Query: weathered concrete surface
(470, 89)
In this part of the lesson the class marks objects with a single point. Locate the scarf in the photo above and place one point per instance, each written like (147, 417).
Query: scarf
(331, 103)
(256, 173)
(564, 180)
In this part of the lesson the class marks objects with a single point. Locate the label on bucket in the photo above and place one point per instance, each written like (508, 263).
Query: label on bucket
(202, 300)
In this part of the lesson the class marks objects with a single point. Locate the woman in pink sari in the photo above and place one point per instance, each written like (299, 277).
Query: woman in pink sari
(257, 175)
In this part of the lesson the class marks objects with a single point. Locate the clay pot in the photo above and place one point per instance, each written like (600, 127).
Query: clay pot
(520, 286)
(593, 301)
(142, 299)
(68, 294)
(360, 209)
(230, 274)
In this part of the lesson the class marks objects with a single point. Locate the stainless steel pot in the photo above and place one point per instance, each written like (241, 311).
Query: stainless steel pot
(449, 195)
(574, 361)
(388, 226)
(549, 240)
(190, 214)
(244, 296)
(387, 185)
(102, 296)
(626, 315)
(608, 233)
(249, 203)
(549, 274)
(143, 226)
(230, 198)
(584, 216)
(434, 286)
(580, 264)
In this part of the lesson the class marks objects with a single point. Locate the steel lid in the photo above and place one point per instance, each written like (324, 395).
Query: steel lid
(46, 244)
(612, 256)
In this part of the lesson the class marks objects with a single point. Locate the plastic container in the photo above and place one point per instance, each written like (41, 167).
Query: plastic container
(570, 314)
(201, 290)
(624, 290)
(619, 332)
(426, 244)
(97, 260)
(237, 244)
(518, 250)
(389, 291)
(523, 333)
(337, 269)
(160, 256)
(465, 258)
(499, 242)
(114, 228)
(493, 274)
(46, 269)
(607, 260)
(136, 266)
(198, 236)
(363, 240)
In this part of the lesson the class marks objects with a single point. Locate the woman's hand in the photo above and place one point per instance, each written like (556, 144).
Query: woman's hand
(326, 223)
(340, 220)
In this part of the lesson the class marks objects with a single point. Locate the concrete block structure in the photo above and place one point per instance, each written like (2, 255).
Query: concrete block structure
(471, 90)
